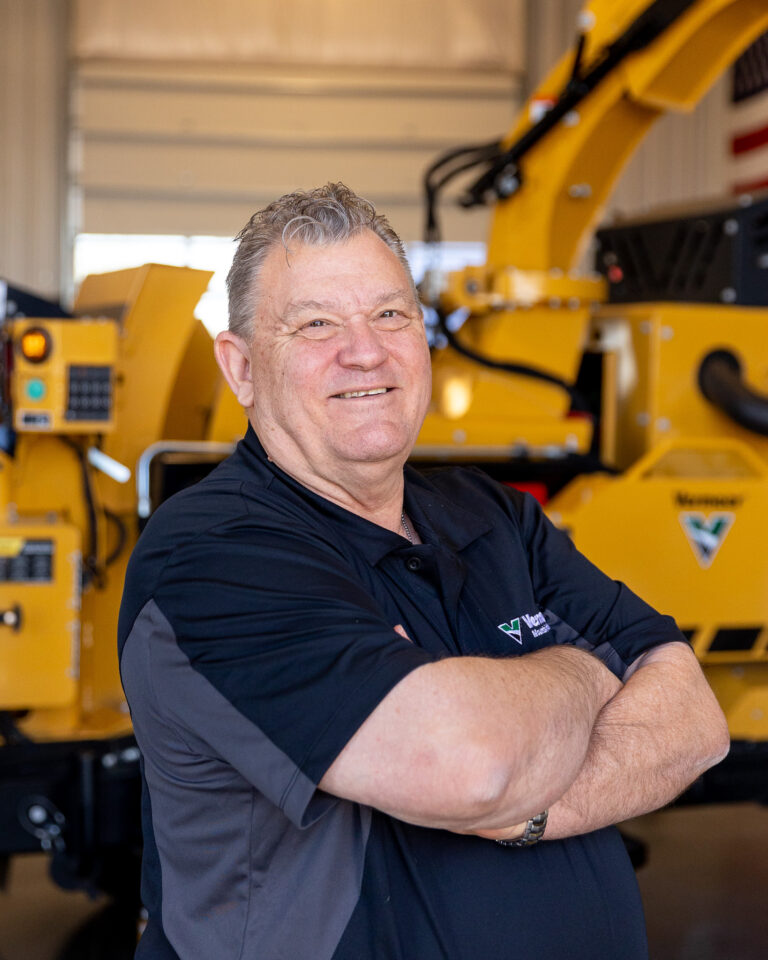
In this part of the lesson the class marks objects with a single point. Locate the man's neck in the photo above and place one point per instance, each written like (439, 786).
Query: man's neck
(372, 490)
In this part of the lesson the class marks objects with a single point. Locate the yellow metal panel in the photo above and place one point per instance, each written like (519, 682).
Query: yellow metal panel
(686, 529)
(570, 174)
(108, 293)
(743, 694)
(192, 398)
(489, 439)
(46, 478)
(39, 661)
(102, 705)
(156, 304)
(662, 400)
(228, 421)
(483, 407)
(688, 58)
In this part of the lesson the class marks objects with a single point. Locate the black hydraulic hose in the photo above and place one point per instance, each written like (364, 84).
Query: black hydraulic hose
(92, 573)
(502, 175)
(721, 381)
(450, 165)
(577, 401)
(658, 17)
(122, 536)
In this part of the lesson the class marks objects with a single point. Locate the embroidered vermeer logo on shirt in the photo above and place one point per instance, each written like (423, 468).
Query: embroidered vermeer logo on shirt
(512, 630)
(536, 623)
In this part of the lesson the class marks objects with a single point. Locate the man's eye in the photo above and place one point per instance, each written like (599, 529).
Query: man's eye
(392, 319)
(317, 329)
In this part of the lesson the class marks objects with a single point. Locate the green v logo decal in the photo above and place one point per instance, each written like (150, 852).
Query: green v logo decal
(706, 533)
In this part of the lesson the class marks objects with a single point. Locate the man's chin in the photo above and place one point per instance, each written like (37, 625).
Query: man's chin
(376, 449)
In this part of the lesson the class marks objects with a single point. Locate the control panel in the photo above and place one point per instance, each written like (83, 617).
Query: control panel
(63, 375)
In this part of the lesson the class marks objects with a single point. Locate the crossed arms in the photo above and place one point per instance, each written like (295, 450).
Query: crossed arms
(479, 745)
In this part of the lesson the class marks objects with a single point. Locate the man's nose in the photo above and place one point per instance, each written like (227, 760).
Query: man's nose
(362, 347)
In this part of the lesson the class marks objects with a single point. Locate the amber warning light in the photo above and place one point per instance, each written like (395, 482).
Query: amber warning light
(35, 345)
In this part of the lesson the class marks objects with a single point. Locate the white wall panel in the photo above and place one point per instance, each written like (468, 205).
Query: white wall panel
(194, 114)
(32, 141)
(451, 34)
(272, 108)
(161, 146)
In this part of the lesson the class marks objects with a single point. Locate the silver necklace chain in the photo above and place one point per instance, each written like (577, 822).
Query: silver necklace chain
(406, 528)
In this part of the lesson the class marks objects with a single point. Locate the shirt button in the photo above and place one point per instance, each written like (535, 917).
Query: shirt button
(413, 564)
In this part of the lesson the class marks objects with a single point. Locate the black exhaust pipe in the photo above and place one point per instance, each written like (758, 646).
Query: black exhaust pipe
(721, 381)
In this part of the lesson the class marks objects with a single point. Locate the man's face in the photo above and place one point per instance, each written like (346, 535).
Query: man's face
(340, 362)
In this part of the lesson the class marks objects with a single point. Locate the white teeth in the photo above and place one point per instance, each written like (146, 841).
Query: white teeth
(362, 393)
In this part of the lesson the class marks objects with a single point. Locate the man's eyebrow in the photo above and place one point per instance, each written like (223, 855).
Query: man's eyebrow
(404, 293)
(302, 306)
(297, 307)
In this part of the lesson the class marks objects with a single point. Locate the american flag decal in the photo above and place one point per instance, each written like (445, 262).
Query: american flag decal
(749, 139)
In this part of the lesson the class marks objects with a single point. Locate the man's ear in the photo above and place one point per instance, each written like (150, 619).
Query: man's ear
(233, 356)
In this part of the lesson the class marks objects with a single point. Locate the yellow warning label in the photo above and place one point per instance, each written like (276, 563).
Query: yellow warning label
(11, 546)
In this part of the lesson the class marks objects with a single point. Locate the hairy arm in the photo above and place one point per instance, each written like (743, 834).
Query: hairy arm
(470, 743)
(661, 730)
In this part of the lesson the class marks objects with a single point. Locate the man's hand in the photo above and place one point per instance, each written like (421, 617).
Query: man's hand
(662, 730)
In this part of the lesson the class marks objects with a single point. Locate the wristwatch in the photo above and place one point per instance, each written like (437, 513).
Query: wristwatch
(534, 831)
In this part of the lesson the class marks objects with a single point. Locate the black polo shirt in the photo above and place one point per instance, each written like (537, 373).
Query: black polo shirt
(256, 635)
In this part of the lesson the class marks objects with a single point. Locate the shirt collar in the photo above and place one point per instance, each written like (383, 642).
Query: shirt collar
(438, 519)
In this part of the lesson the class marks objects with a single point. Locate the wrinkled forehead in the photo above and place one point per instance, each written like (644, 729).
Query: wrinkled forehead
(356, 274)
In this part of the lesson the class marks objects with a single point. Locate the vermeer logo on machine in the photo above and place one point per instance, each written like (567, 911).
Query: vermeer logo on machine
(706, 533)
(723, 501)
(536, 623)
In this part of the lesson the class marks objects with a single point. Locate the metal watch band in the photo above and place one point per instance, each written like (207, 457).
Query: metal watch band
(534, 831)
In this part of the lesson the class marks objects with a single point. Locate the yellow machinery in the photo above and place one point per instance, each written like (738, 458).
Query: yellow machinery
(678, 418)
(106, 412)
(83, 398)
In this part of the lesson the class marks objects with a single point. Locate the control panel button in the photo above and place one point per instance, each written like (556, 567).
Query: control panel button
(89, 395)
(35, 389)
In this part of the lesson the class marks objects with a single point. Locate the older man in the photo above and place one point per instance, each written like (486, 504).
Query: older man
(357, 690)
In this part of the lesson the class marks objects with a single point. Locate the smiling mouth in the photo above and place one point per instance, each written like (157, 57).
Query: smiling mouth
(352, 394)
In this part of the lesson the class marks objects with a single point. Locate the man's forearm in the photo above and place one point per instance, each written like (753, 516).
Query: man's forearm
(556, 695)
(471, 743)
(660, 731)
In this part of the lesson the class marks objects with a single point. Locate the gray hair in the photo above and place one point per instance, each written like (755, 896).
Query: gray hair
(329, 214)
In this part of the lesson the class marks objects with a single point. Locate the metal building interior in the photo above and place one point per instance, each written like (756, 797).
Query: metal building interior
(614, 201)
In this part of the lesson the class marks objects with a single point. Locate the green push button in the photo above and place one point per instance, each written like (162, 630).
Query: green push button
(35, 389)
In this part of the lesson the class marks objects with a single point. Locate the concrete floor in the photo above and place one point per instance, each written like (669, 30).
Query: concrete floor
(36, 917)
(705, 888)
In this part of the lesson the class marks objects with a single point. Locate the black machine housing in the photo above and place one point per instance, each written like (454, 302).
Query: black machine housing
(708, 255)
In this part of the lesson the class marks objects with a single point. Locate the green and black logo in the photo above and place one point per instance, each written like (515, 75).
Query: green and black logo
(706, 533)
(512, 629)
